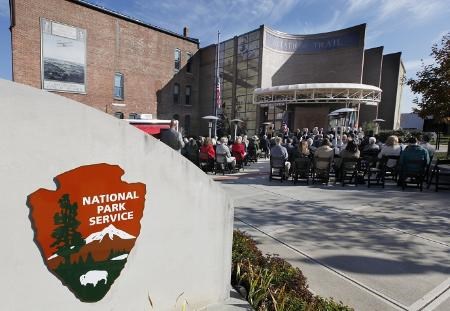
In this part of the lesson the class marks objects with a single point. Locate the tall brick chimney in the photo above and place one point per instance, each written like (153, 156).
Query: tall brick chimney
(185, 32)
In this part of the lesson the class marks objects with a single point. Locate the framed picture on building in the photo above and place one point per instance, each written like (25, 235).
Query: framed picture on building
(63, 57)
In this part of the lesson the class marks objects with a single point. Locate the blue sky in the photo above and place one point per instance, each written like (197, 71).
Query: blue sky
(409, 26)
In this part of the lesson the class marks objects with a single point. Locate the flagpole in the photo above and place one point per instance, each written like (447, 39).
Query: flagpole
(216, 84)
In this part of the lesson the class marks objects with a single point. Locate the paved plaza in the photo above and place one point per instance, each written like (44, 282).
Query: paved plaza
(373, 249)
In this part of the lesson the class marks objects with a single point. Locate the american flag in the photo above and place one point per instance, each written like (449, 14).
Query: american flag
(218, 93)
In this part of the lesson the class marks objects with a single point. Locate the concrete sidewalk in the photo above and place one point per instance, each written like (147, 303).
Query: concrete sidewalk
(372, 249)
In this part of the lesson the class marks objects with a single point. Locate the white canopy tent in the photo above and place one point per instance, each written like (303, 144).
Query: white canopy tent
(348, 94)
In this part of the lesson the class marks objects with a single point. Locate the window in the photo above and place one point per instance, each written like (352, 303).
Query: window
(189, 63)
(187, 124)
(118, 85)
(177, 59)
(188, 95)
(176, 93)
(119, 115)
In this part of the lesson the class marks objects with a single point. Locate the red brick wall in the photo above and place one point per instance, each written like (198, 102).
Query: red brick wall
(145, 56)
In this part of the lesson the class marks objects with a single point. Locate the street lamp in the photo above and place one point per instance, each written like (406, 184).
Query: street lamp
(210, 122)
(236, 121)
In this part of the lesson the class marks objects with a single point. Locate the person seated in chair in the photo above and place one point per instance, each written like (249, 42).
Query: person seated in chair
(302, 151)
(290, 148)
(253, 149)
(371, 147)
(425, 143)
(278, 151)
(351, 151)
(264, 144)
(238, 150)
(390, 148)
(208, 148)
(324, 151)
(223, 150)
(413, 152)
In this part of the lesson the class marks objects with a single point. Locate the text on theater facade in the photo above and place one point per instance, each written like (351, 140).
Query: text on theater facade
(311, 44)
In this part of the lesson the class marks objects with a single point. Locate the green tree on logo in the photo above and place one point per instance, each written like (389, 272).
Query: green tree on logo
(67, 239)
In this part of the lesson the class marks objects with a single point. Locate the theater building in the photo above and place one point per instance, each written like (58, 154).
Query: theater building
(127, 67)
(272, 77)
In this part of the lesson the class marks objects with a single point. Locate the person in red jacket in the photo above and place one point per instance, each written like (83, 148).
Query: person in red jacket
(208, 148)
(238, 149)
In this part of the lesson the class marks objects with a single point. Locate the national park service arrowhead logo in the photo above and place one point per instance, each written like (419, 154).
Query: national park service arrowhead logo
(86, 228)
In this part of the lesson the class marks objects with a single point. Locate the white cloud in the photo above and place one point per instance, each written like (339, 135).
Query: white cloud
(280, 9)
(205, 17)
(413, 66)
(359, 5)
(413, 10)
(335, 22)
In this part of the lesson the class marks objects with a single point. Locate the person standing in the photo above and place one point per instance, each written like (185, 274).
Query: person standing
(172, 138)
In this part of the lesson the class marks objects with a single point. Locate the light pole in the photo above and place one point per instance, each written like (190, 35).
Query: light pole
(210, 122)
(209, 128)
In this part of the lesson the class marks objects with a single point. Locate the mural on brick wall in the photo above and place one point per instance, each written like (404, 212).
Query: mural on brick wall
(63, 57)
(86, 228)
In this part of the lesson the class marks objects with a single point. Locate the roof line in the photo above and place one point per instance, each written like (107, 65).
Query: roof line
(102, 9)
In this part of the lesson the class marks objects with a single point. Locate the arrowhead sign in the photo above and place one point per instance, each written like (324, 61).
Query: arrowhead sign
(86, 228)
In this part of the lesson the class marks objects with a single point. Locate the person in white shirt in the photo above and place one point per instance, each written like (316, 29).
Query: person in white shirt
(390, 148)
(425, 143)
(224, 151)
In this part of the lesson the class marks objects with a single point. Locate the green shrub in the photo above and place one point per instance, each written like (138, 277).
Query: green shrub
(271, 283)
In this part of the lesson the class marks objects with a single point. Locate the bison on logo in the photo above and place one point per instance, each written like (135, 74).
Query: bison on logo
(86, 228)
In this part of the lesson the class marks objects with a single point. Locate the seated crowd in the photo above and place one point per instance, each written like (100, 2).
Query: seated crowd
(234, 154)
(325, 151)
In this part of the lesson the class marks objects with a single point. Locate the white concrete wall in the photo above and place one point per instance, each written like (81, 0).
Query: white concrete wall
(184, 247)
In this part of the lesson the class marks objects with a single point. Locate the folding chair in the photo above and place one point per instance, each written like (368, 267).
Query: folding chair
(322, 168)
(205, 162)
(302, 169)
(349, 171)
(413, 172)
(222, 164)
(277, 167)
(439, 171)
(240, 161)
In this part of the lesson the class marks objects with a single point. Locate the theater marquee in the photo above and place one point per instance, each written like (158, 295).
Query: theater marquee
(312, 43)
(63, 57)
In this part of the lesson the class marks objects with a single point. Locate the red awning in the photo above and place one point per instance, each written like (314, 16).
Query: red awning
(152, 129)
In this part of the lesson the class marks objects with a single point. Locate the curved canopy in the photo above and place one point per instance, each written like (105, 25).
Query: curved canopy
(344, 110)
(317, 93)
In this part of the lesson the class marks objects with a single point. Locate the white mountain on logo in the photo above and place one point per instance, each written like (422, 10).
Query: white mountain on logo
(111, 231)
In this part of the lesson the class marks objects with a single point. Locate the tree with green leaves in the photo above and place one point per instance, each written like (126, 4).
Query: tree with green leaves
(67, 239)
(433, 84)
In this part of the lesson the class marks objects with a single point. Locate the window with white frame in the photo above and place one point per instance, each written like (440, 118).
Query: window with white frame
(118, 86)
(177, 64)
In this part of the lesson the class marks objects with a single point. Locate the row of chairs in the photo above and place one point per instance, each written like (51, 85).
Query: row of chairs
(221, 165)
(368, 169)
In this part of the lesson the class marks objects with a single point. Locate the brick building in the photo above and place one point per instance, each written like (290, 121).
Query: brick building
(104, 59)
